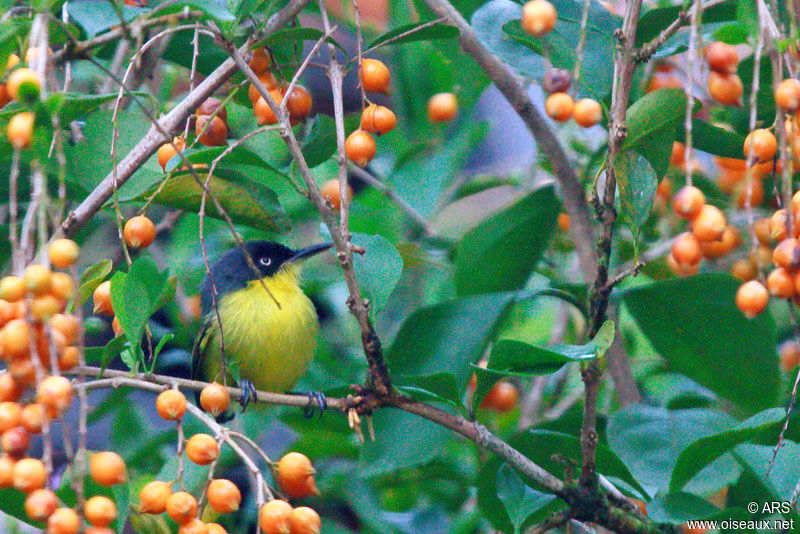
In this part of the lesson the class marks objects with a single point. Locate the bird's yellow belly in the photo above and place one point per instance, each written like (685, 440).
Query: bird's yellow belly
(271, 346)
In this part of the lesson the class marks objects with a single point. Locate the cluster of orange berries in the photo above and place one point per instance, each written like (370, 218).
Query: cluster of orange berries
(23, 84)
(298, 102)
(360, 146)
(724, 85)
(710, 236)
(502, 398)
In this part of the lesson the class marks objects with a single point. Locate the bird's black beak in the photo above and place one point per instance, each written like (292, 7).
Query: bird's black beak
(307, 252)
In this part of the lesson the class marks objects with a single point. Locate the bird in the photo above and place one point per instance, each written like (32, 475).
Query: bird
(260, 317)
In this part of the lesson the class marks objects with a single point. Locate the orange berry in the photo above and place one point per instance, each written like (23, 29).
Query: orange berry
(263, 112)
(304, 520)
(67, 326)
(538, 17)
(780, 283)
(789, 352)
(664, 82)
(202, 449)
(360, 147)
(442, 107)
(10, 415)
(16, 336)
(20, 129)
(260, 61)
(209, 106)
(215, 399)
(181, 507)
(63, 252)
(40, 504)
(721, 57)
(725, 88)
(587, 112)
(787, 95)
(752, 194)
(688, 202)
(686, 249)
(731, 163)
(32, 418)
(559, 106)
(100, 511)
(752, 298)
(760, 144)
(501, 398)
(10, 390)
(296, 475)
(298, 103)
(61, 286)
(45, 306)
(153, 497)
(211, 131)
(269, 81)
(193, 526)
(63, 521)
(6, 471)
(777, 225)
(102, 299)
(93, 529)
(69, 358)
(24, 84)
(274, 517)
(171, 404)
(55, 393)
(716, 249)
(563, 222)
(330, 192)
(29, 475)
(107, 468)
(223, 496)
(681, 269)
(374, 76)
(12, 288)
(378, 119)
(167, 151)
(216, 528)
(139, 232)
(787, 254)
(23, 371)
(37, 279)
(762, 231)
(678, 155)
(709, 224)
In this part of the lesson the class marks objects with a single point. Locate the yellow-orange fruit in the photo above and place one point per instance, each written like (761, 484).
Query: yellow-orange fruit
(501, 398)
(202, 449)
(442, 107)
(12, 61)
(102, 299)
(23, 84)
(709, 224)
(563, 222)
(45, 306)
(61, 286)
(100, 511)
(752, 298)
(153, 497)
(54, 393)
(12, 288)
(193, 526)
(15, 442)
(298, 103)
(777, 225)
(10, 390)
(330, 192)
(750, 194)
(274, 517)
(296, 475)
(107, 468)
(731, 163)
(20, 129)
(40, 504)
(725, 88)
(139, 232)
(215, 399)
(211, 131)
(63, 521)
(688, 202)
(181, 507)
(16, 337)
(360, 147)
(559, 107)
(29, 475)
(762, 231)
(263, 112)
(780, 283)
(94, 529)
(744, 269)
(787, 254)
(716, 249)
(216, 528)
(686, 249)
(760, 144)
(171, 404)
(63, 252)
(678, 155)
(10, 415)
(260, 61)
(664, 82)
(117, 327)
(374, 76)
(721, 57)
(378, 119)
(587, 112)
(787, 95)
(6, 471)
(210, 106)
(32, 418)
(67, 326)
(304, 520)
(538, 17)
(69, 358)
(223, 496)
(269, 81)
(167, 151)
(789, 352)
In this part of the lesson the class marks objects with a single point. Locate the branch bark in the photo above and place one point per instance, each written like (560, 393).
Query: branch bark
(574, 196)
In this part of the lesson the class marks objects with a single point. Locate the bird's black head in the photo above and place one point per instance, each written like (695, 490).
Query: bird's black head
(232, 271)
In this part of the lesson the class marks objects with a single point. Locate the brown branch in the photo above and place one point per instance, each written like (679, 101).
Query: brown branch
(575, 203)
(171, 122)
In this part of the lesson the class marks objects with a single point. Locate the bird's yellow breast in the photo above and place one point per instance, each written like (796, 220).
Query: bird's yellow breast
(272, 342)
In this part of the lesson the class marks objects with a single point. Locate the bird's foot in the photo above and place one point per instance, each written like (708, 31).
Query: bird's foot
(316, 400)
(248, 393)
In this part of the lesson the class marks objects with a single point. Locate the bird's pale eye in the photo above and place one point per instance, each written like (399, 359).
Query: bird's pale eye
(265, 261)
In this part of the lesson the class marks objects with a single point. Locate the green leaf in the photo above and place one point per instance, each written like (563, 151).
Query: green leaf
(705, 450)
(656, 20)
(321, 142)
(212, 8)
(435, 387)
(652, 122)
(290, 36)
(637, 184)
(694, 324)
(649, 440)
(97, 16)
(244, 200)
(378, 270)
(520, 500)
(501, 252)
(240, 155)
(102, 356)
(72, 106)
(714, 140)
(92, 277)
(677, 508)
(434, 31)
(747, 15)
(780, 481)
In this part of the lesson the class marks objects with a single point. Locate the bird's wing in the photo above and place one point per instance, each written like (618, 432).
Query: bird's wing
(200, 346)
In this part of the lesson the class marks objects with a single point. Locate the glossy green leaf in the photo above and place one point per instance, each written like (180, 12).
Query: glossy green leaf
(652, 123)
(650, 439)
(92, 277)
(654, 21)
(407, 34)
(637, 182)
(501, 252)
(520, 500)
(694, 324)
(779, 481)
(71, 106)
(378, 270)
(713, 139)
(239, 155)
(435, 387)
(678, 507)
(289, 36)
(321, 142)
(705, 450)
(211, 8)
(97, 16)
